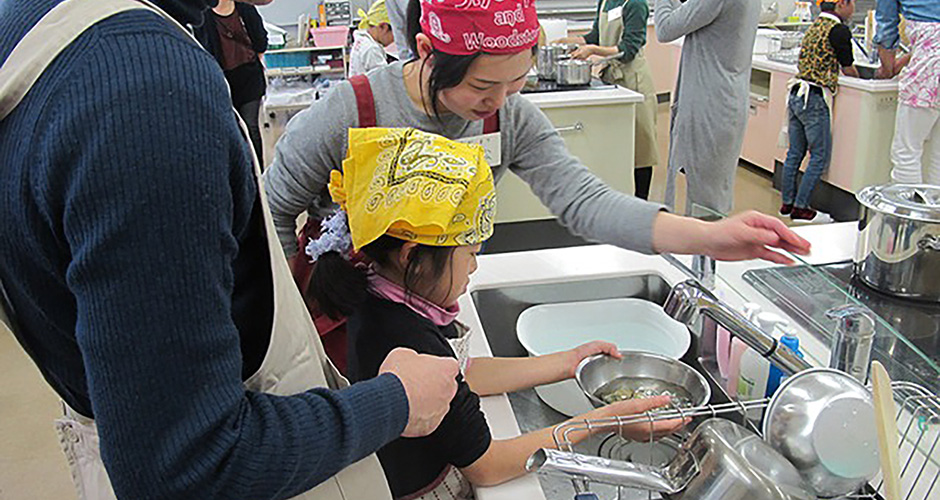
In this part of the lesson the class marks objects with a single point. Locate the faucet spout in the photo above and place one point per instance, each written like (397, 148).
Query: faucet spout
(689, 299)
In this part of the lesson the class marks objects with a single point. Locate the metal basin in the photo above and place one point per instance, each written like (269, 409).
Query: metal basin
(597, 371)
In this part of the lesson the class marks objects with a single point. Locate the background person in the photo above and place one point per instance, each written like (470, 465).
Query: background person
(370, 40)
(620, 28)
(917, 122)
(234, 33)
(710, 104)
(826, 48)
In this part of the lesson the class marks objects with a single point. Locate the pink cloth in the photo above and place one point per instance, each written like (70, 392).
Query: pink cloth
(920, 79)
(390, 290)
(464, 27)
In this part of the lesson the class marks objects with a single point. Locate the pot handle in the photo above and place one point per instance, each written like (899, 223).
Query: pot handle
(929, 242)
(601, 470)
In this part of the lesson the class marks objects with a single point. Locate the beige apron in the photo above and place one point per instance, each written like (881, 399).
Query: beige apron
(634, 75)
(295, 361)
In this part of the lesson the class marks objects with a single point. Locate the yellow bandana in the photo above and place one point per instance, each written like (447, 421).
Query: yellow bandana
(414, 186)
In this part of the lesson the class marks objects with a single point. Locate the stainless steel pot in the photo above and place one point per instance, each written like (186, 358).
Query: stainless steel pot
(548, 56)
(573, 72)
(720, 460)
(898, 249)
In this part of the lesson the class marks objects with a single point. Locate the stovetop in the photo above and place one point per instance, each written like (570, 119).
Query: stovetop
(535, 86)
(806, 295)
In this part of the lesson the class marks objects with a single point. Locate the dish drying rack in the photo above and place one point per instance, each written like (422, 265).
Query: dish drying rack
(917, 417)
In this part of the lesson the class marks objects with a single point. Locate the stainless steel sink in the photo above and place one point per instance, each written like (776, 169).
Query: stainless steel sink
(499, 308)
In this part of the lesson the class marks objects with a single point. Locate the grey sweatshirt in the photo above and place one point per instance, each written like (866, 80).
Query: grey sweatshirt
(710, 104)
(315, 142)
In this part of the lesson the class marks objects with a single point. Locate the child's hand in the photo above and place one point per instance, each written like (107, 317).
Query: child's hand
(585, 350)
(640, 431)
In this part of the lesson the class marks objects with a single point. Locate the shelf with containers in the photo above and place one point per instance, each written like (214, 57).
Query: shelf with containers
(296, 78)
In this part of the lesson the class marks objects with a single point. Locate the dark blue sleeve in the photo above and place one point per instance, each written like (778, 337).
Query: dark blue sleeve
(154, 171)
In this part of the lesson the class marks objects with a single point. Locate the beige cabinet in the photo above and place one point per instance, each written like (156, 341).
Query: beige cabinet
(598, 130)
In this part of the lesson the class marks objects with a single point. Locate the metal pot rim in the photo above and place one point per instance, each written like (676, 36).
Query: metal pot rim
(894, 199)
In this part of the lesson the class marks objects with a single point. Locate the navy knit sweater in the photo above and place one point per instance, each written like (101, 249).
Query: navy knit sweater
(133, 253)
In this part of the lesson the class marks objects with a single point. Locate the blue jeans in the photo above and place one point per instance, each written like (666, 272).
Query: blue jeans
(809, 130)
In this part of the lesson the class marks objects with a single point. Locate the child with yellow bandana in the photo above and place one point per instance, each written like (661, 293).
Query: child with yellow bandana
(418, 206)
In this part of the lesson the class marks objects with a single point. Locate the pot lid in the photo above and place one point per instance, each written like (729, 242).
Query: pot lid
(911, 201)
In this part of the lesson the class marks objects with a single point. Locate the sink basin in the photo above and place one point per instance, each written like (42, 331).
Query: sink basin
(499, 309)
(866, 72)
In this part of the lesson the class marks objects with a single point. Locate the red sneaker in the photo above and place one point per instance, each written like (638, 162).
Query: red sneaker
(786, 208)
(801, 213)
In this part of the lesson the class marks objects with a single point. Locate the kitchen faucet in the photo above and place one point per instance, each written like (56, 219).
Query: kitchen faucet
(702, 270)
(850, 350)
(689, 299)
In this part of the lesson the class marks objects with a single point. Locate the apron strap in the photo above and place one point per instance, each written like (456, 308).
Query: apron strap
(491, 124)
(365, 100)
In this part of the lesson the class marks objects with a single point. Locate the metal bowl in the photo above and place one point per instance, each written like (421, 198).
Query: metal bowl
(596, 371)
(823, 421)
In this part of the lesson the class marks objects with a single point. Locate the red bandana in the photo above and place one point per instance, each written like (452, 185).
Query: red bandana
(464, 27)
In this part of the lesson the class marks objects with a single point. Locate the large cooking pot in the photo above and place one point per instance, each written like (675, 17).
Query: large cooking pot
(573, 72)
(548, 56)
(720, 461)
(898, 249)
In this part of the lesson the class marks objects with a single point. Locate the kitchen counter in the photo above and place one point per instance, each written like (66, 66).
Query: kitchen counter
(588, 97)
(762, 62)
(831, 243)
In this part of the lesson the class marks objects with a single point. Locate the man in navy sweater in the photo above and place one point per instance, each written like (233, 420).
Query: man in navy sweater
(134, 255)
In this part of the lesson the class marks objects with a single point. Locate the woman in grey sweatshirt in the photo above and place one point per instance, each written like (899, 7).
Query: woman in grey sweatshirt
(450, 94)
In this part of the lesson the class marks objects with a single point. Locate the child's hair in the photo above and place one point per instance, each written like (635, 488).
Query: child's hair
(448, 70)
(339, 286)
(827, 6)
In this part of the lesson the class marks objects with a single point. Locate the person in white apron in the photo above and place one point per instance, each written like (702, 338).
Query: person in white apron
(620, 28)
(294, 362)
(915, 149)
(826, 52)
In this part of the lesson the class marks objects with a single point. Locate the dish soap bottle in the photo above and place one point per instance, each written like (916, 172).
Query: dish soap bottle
(776, 376)
(736, 349)
(723, 341)
(754, 369)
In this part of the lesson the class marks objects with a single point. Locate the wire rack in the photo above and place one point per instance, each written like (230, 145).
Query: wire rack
(918, 421)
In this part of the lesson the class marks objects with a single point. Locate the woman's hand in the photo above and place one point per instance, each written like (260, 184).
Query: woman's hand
(752, 235)
(585, 51)
(749, 235)
(643, 431)
(574, 356)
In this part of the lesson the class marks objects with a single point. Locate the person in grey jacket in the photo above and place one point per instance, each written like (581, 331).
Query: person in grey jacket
(710, 103)
(397, 16)
(452, 94)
